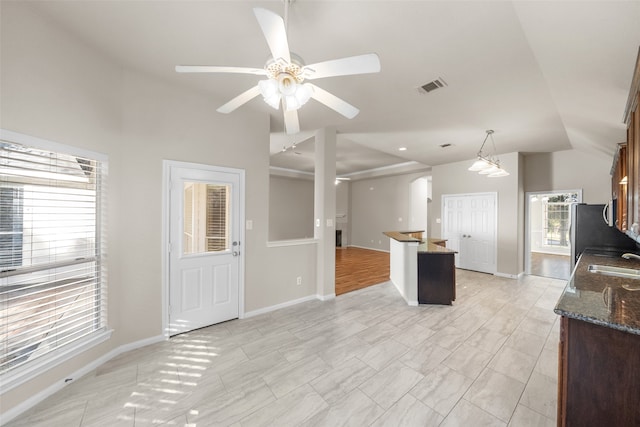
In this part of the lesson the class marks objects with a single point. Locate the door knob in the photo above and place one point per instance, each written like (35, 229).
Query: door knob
(235, 253)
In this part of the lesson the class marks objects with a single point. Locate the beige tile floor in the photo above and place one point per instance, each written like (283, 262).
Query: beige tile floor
(363, 359)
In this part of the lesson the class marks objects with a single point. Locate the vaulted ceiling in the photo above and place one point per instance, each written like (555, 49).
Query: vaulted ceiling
(545, 75)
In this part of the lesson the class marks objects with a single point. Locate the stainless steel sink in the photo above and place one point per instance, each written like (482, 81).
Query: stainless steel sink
(607, 270)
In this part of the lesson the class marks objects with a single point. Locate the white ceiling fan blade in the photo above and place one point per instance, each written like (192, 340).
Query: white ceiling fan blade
(239, 100)
(291, 123)
(361, 64)
(217, 69)
(333, 102)
(275, 32)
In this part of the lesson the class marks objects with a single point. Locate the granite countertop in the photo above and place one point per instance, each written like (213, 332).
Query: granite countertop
(604, 300)
(430, 247)
(400, 236)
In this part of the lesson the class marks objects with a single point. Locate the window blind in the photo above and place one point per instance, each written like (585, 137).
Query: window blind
(52, 290)
(217, 225)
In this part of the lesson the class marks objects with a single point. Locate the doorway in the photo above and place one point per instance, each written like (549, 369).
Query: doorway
(547, 243)
(469, 223)
(204, 249)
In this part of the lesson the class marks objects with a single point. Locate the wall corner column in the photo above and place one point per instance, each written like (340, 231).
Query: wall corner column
(325, 212)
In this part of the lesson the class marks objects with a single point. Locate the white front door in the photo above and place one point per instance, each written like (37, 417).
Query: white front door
(205, 247)
(469, 225)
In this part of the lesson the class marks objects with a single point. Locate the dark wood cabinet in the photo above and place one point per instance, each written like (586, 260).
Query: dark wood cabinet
(436, 278)
(619, 186)
(629, 203)
(598, 375)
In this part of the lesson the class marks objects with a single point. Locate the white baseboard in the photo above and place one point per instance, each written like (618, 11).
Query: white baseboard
(278, 306)
(288, 304)
(509, 276)
(25, 405)
(371, 249)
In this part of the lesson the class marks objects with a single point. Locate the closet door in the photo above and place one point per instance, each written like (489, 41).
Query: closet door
(469, 225)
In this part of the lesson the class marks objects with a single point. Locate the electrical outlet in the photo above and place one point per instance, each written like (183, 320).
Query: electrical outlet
(299, 280)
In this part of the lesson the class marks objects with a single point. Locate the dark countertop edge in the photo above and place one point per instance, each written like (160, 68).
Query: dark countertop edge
(432, 248)
(612, 325)
(579, 316)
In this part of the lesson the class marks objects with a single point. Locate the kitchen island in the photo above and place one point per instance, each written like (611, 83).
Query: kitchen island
(423, 271)
(599, 349)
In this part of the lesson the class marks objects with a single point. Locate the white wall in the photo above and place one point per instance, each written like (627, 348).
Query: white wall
(290, 208)
(55, 87)
(379, 205)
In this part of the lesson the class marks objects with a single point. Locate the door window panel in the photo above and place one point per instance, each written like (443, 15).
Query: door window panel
(206, 218)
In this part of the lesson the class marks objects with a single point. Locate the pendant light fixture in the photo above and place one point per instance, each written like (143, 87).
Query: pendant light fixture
(488, 164)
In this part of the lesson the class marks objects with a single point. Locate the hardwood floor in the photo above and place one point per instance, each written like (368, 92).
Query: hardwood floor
(553, 266)
(358, 268)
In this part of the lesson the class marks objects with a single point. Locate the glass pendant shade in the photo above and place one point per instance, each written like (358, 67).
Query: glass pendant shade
(500, 173)
(479, 165)
(488, 164)
(489, 171)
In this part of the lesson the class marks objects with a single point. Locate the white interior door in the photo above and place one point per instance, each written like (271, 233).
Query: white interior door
(453, 226)
(469, 225)
(205, 249)
(480, 236)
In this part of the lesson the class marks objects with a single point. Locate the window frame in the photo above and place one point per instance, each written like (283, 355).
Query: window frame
(31, 370)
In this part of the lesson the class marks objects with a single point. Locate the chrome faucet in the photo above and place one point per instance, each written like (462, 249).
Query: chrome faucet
(630, 255)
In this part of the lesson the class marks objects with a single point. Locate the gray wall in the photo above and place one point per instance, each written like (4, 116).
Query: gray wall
(290, 208)
(570, 170)
(563, 170)
(454, 178)
(343, 209)
(379, 205)
(55, 87)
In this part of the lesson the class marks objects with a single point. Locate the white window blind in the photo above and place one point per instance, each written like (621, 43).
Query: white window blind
(217, 223)
(52, 277)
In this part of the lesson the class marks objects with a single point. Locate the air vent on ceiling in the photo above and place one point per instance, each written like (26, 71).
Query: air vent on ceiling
(445, 145)
(431, 86)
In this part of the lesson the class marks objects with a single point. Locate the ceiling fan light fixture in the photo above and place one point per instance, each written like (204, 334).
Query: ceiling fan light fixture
(286, 72)
(270, 92)
(300, 97)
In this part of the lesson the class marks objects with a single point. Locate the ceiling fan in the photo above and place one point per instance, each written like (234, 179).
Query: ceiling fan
(286, 73)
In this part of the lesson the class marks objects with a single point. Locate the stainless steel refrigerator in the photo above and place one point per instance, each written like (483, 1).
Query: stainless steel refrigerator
(589, 230)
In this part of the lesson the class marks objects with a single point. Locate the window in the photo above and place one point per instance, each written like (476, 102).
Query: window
(206, 217)
(556, 220)
(52, 275)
